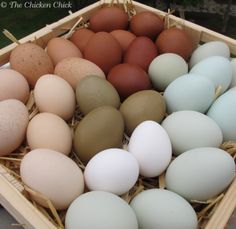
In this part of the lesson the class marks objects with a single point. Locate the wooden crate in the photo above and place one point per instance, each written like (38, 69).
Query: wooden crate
(11, 196)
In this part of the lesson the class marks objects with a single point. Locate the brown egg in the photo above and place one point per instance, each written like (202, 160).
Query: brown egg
(31, 61)
(176, 41)
(146, 24)
(128, 79)
(81, 37)
(60, 48)
(109, 18)
(103, 50)
(141, 52)
(124, 37)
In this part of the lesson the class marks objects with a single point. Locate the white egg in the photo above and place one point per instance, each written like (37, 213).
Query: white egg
(151, 146)
(112, 170)
(233, 64)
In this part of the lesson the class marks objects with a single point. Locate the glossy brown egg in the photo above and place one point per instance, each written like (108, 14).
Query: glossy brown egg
(128, 79)
(146, 24)
(109, 18)
(103, 50)
(81, 37)
(176, 41)
(141, 52)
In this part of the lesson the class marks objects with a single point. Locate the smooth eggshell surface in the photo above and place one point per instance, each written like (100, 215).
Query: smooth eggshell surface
(233, 64)
(54, 175)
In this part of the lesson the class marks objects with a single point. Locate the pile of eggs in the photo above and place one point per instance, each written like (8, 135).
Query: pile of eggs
(115, 71)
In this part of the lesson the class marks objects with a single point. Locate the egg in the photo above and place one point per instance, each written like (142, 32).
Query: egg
(73, 69)
(59, 48)
(160, 72)
(189, 92)
(212, 48)
(147, 24)
(142, 106)
(112, 170)
(223, 111)
(31, 61)
(175, 40)
(100, 129)
(123, 37)
(55, 95)
(53, 175)
(100, 210)
(14, 120)
(108, 18)
(201, 173)
(93, 92)
(159, 208)
(128, 79)
(46, 130)
(13, 85)
(216, 68)
(190, 129)
(81, 37)
(103, 50)
(141, 52)
(151, 146)
(233, 64)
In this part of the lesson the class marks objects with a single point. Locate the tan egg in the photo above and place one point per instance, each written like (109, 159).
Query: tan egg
(13, 85)
(14, 119)
(49, 131)
(54, 175)
(73, 69)
(31, 61)
(55, 95)
(60, 48)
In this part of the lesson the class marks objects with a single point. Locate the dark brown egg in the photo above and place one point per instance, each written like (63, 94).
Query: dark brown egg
(80, 37)
(128, 79)
(176, 41)
(141, 52)
(109, 18)
(103, 50)
(146, 24)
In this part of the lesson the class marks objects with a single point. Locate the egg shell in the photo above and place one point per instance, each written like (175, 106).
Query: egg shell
(93, 92)
(146, 24)
(175, 40)
(233, 64)
(189, 92)
(46, 130)
(217, 69)
(190, 129)
(13, 85)
(54, 175)
(128, 79)
(223, 111)
(31, 61)
(151, 146)
(103, 127)
(14, 120)
(141, 52)
(100, 210)
(123, 37)
(108, 18)
(59, 48)
(142, 106)
(159, 208)
(212, 48)
(112, 170)
(73, 69)
(201, 173)
(160, 72)
(55, 95)
(81, 37)
(103, 50)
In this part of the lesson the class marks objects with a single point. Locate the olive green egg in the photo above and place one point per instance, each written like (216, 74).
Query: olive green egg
(100, 129)
(141, 106)
(94, 91)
